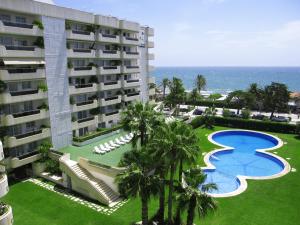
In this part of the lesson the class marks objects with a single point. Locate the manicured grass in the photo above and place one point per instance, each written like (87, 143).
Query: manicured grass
(266, 202)
(112, 158)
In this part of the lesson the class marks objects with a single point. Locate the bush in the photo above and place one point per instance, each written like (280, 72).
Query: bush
(3, 208)
(44, 149)
(43, 87)
(70, 65)
(298, 129)
(226, 113)
(249, 124)
(197, 122)
(3, 86)
(52, 166)
(72, 100)
(245, 113)
(43, 106)
(39, 24)
(96, 134)
(39, 42)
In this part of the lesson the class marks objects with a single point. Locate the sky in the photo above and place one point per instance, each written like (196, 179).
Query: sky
(212, 32)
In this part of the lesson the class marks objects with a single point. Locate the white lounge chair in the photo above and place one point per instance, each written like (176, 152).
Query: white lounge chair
(96, 149)
(131, 135)
(119, 141)
(113, 144)
(128, 137)
(103, 148)
(124, 140)
(109, 146)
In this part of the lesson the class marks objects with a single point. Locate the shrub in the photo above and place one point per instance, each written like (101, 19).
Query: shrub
(52, 166)
(68, 25)
(39, 42)
(43, 106)
(96, 134)
(3, 208)
(44, 149)
(245, 113)
(93, 79)
(3, 86)
(70, 65)
(226, 113)
(298, 129)
(74, 119)
(250, 124)
(72, 100)
(43, 87)
(39, 24)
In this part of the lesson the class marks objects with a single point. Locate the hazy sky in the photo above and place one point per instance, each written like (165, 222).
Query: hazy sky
(212, 32)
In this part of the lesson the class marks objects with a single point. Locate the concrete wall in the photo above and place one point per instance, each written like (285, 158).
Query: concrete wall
(57, 81)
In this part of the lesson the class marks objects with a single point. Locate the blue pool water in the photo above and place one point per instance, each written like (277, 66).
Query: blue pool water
(242, 159)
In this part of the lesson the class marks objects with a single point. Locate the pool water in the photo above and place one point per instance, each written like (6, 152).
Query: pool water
(242, 159)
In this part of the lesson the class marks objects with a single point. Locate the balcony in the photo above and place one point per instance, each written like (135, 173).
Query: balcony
(110, 85)
(108, 38)
(109, 54)
(24, 117)
(25, 159)
(129, 41)
(114, 115)
(135, 96)
(150, 44)
(106, 70)
(130, 69)
(20, 29)
(80, 35)
(3, 185)
(21, 139)
(150, 32)
(82, 88)
(107, 21)
(22, 96)
(130, 83)
(81, 53)
(21, 51)
(90, 104)
(128, 25)
(110, 100)
(85, 122)
(83, 71)
(22, 74)
(151, 91)
(130, 55)
(151, 56)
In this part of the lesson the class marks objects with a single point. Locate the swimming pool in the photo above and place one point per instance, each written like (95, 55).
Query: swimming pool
(242, 157)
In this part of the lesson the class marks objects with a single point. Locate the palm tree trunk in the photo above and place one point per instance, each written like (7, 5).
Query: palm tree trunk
(180, 171)
(178, 216)
(161, 210)
(170, 200)
(144, 210)
(191, 211)
(272, 114)
(164, 93)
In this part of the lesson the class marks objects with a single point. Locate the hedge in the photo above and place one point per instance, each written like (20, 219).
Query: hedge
(96, 134)
(248, 124)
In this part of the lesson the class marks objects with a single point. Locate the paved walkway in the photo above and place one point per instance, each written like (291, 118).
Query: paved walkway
(99, 208)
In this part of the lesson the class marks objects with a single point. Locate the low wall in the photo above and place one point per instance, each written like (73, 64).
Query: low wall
(7, 218)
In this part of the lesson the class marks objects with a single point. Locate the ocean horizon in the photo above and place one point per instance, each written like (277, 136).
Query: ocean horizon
(221, 79)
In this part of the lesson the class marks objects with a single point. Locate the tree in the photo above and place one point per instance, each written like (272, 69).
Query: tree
(298, 129)
(165, 83)
(44, 150)
(170, 143)
(195, 193)
(276, 98)
(208, 117)
(177, 93)
(138, 180)
(258, 94)
(241, 99)
(200, 82)
(141, 119)
(194, 96)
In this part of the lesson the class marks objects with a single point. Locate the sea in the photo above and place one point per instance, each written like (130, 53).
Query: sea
(226, 79)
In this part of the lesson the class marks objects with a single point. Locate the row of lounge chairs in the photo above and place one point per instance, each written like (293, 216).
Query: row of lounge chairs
(112, 144)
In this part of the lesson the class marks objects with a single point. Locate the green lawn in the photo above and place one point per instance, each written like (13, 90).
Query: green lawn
(267, 202)
(112, 158)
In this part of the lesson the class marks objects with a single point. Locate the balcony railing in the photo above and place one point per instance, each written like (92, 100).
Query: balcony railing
(132, 53)
(111, 98)
(81, 50)
(110, 51)
(131, 39)
(86, 119)
(21, 25)
(26, 113)
(21, 48)
(25, 92)
(132, 67)
(132, 81)
(85, 103)
(22, 70)
(79, 68)
(110, 67)
(83, 85)
(132, 94)
(111, 113)
(28, 134)
(109, 35)
(81, 32)
(29, 154)
(111, 83)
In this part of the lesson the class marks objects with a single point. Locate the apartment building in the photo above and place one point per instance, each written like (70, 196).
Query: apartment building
(65, 73)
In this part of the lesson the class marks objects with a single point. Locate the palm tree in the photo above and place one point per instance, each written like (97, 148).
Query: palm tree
(195, 193)
(165, 83)
(177, 93)
(170, 144)
(194, 96)
(200, 82)
(140, 119)
(138, 180)
(258, 94)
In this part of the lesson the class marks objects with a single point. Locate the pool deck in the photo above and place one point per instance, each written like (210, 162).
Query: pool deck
(111, 158)
(243, 179)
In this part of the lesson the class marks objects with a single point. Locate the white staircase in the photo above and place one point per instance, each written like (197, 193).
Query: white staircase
(96, 187)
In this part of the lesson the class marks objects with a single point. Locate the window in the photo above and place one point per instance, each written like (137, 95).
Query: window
(26, 85)
(30, 126)
(6, 41)
(13, 86)
(28, 106)
(20, 19)
(5, 17)
(108, 77)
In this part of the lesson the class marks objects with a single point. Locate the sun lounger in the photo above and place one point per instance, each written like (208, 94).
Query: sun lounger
(96, 149)
(128, 137)
(124, 140)
(119, 142)
(113, 144)
(103, 148)
(109, 146)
